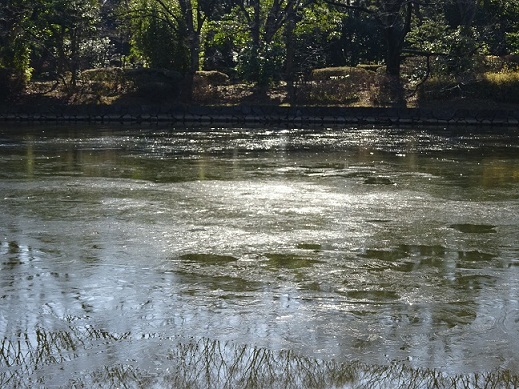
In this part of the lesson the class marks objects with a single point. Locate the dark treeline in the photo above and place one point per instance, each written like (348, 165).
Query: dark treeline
(257, 41)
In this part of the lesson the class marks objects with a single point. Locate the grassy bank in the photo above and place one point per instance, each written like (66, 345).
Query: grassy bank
(343, 87)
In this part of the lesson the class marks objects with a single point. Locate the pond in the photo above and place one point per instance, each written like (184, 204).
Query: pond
(155, 256)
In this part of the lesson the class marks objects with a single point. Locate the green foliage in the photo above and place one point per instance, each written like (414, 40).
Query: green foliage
(230, 28)
(359, 40)
(263, 41)
(512, 42)
(319, 18)
(157, 38)
(497, 21)
(96, 52)
(464, 50)
(432, 35)
(224, 39)
(10, 84)
(72, 40)
(259, 62)
(264, 65)
(316, 36)
(15, 26)
(455, 48)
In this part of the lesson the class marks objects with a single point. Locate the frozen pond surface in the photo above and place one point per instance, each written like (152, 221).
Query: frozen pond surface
(166, 257)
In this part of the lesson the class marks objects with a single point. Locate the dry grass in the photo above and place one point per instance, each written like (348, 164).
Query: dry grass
(356, 87)
(492, 88)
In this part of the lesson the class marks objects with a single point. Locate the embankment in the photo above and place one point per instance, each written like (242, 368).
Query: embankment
(243, 115)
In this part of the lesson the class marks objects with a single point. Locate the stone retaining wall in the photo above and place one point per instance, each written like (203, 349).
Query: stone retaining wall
(242, 115)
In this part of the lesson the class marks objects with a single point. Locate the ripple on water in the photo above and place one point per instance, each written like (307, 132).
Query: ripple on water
(203, 233)
(289, 261)
(309, 246)
(195, 284)
(208, 259)
(375, 295)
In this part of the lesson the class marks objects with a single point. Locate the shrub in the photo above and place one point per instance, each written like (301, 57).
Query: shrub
(336, 86)
(494, 86)
(324, 95)
(155, 85)
(142, 75)
(370, 67)
(103, 82)
(493, 63)
(511, 61)
(331, 92)
(502, 87)
(355, 75)
(114, 75)
(11, 86)
(439, 88)
(211, 77)
(205, 86)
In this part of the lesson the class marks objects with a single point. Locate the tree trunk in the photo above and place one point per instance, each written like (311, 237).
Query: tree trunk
(392, 90)
(256, 41)
(393, 52)
(289, 66)
(395, 34)
(467, 9)
(193, 40)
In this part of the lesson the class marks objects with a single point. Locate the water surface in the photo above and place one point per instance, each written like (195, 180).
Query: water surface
(253, 257)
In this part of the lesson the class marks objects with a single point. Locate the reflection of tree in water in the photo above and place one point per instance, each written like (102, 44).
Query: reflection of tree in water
(204, 363)
(21, 358)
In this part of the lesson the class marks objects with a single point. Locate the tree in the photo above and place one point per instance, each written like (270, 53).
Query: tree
(316, 35)
(177, 26)
(57, 36)
(394, 18)
(72, 36)
(476, 29)
(116, 32)
(156, 37)
(498, 22)
(16, 21)
(334, 36)
(261, 33)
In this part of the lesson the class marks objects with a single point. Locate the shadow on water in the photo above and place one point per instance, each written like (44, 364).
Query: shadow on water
(208, 259)
(201, 283)
(289, 261)
(34, 358)
(474, 228)
(309, 246)
(409, 258)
